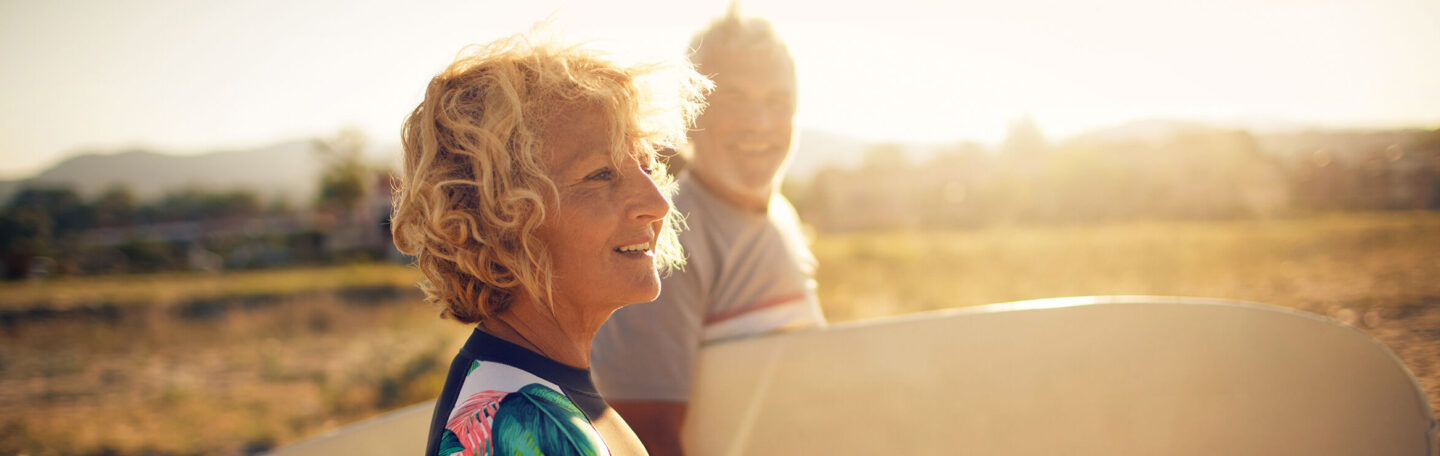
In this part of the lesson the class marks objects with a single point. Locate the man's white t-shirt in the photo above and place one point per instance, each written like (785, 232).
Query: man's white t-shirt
(746, 273)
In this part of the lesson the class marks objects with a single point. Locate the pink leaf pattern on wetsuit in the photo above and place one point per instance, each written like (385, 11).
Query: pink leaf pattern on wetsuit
(472, 424)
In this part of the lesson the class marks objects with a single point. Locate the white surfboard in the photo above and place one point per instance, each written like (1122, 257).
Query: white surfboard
(1074, 376)
(1086, 376)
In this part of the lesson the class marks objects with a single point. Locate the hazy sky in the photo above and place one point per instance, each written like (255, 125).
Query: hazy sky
(191, 76)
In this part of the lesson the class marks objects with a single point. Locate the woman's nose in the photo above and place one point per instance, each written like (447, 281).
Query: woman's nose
(649, 203)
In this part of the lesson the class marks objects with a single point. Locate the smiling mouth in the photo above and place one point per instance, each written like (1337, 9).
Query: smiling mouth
(639, 250)
(754, 148)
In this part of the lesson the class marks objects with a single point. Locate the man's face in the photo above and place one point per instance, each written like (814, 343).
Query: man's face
(743, 137)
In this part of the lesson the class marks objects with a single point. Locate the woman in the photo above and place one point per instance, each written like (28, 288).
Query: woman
(533, 203)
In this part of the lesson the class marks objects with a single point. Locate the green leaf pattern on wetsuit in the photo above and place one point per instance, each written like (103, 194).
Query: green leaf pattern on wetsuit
(535, 420)
(540, 421)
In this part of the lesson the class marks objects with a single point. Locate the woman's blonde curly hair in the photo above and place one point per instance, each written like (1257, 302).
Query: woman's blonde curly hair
(472, 190)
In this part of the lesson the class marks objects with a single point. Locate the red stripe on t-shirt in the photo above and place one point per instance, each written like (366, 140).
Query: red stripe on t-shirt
(752, 307)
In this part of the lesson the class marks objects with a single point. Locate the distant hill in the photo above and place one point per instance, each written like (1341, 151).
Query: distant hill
(287, 170)
(1284, 140)
(1155, 130)
(1145, 131)
(818, 149)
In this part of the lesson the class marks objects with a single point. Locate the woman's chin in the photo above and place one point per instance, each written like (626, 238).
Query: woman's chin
(635, 294)
(649, 293)
(648, 296)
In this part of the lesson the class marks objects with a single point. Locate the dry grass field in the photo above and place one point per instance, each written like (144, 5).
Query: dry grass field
(242, 362)
(212, 364)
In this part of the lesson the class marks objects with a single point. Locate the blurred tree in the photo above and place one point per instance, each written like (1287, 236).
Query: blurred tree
(1024, 139)
(62, 205)
(116, 206)
(344, 173)
(38, 222)
(194, 204)
(885, 156)
(149, 256)
(23, 237)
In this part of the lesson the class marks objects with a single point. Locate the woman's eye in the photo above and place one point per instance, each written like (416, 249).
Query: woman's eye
(601, 175)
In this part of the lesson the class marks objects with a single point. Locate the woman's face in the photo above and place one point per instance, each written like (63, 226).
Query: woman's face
(602, 236)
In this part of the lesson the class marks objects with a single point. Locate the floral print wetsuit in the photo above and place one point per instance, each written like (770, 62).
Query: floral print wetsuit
(501, 399)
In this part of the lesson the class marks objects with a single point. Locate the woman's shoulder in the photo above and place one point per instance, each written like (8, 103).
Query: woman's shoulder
(502, 409)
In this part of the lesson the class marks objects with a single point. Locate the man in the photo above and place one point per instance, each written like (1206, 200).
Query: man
(748, 268)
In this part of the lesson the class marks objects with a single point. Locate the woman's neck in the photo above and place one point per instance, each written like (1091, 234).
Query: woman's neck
(530, 324)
